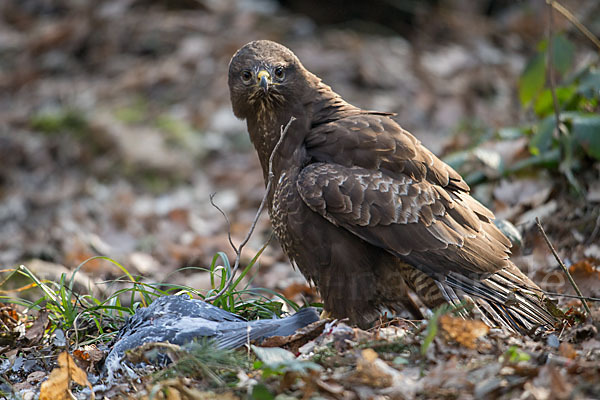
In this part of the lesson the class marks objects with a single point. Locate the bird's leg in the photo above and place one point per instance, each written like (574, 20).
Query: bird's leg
(411, 306)
(325, 314)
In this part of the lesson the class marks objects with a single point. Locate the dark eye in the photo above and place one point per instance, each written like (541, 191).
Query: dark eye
(279, 72)
(246, 76)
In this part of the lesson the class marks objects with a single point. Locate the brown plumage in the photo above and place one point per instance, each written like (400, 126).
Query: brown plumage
(364, 210)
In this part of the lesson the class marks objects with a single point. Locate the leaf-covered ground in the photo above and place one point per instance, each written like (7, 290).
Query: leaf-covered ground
(116, 127)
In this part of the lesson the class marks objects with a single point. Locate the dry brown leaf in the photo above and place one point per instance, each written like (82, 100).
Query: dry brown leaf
(36, 332)
(9, 316)
(88, 356)
(180, 388)
(585, 268)
(587, 276)
(57, 385)
(36, 377)
(567, 350)
(297, 339)
(551, 383)
(523, 192)
(298, 288)
(463, 331)
(173, 394)
(372, 371)
(333, 388)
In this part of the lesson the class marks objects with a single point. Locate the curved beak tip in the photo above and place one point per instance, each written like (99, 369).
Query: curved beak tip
(264, 83)
(264, 80)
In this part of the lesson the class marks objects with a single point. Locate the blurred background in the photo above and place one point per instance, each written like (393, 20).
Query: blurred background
(116, 126)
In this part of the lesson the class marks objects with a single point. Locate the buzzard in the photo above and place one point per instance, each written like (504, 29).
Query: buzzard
(364, 210)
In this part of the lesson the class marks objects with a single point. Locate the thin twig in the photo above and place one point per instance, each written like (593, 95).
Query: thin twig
(547, 293)
(551, 71)
(564, 267)
(238, 249)
(566, 164)
(568, 296)
(595, 231)
(219, 209)
(573, 19)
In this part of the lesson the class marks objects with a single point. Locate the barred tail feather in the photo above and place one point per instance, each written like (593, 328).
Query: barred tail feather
(503, 299)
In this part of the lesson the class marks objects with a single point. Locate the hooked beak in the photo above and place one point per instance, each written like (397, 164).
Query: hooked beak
(264, 80)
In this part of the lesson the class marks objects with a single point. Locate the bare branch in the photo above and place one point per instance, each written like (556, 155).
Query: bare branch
(212, 202)
(564, 268)
(573, 19)
(570, 296)
(238, 249)
(556, 294)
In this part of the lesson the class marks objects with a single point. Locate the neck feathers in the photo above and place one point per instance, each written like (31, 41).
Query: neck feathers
(317, 104)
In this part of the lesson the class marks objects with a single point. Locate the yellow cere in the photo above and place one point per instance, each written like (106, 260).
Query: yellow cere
(264, 73)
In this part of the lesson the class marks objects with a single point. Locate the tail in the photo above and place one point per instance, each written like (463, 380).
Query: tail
(507, 298)
(291, 324)
(236, 335)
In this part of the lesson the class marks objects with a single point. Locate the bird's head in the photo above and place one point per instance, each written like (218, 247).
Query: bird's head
(263, 76)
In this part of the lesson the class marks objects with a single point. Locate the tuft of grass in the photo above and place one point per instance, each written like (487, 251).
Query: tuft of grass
(86, 319)
(90, 319)
(204, 361)
(239, 298)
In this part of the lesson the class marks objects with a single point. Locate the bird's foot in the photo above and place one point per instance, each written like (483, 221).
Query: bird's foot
(325, 314)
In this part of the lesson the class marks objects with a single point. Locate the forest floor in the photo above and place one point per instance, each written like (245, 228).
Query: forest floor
(116, 128)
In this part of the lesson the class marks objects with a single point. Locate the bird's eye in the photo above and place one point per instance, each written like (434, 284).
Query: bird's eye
(279, 72)
(246, 76)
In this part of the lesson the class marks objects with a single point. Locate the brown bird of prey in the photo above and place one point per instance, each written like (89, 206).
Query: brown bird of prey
(364, 210)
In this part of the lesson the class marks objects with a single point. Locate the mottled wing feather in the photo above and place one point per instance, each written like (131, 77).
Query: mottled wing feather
(401, 216)
(377, 181)
(377, 142)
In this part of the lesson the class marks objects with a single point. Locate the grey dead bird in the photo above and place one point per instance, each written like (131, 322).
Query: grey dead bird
(180, 320)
